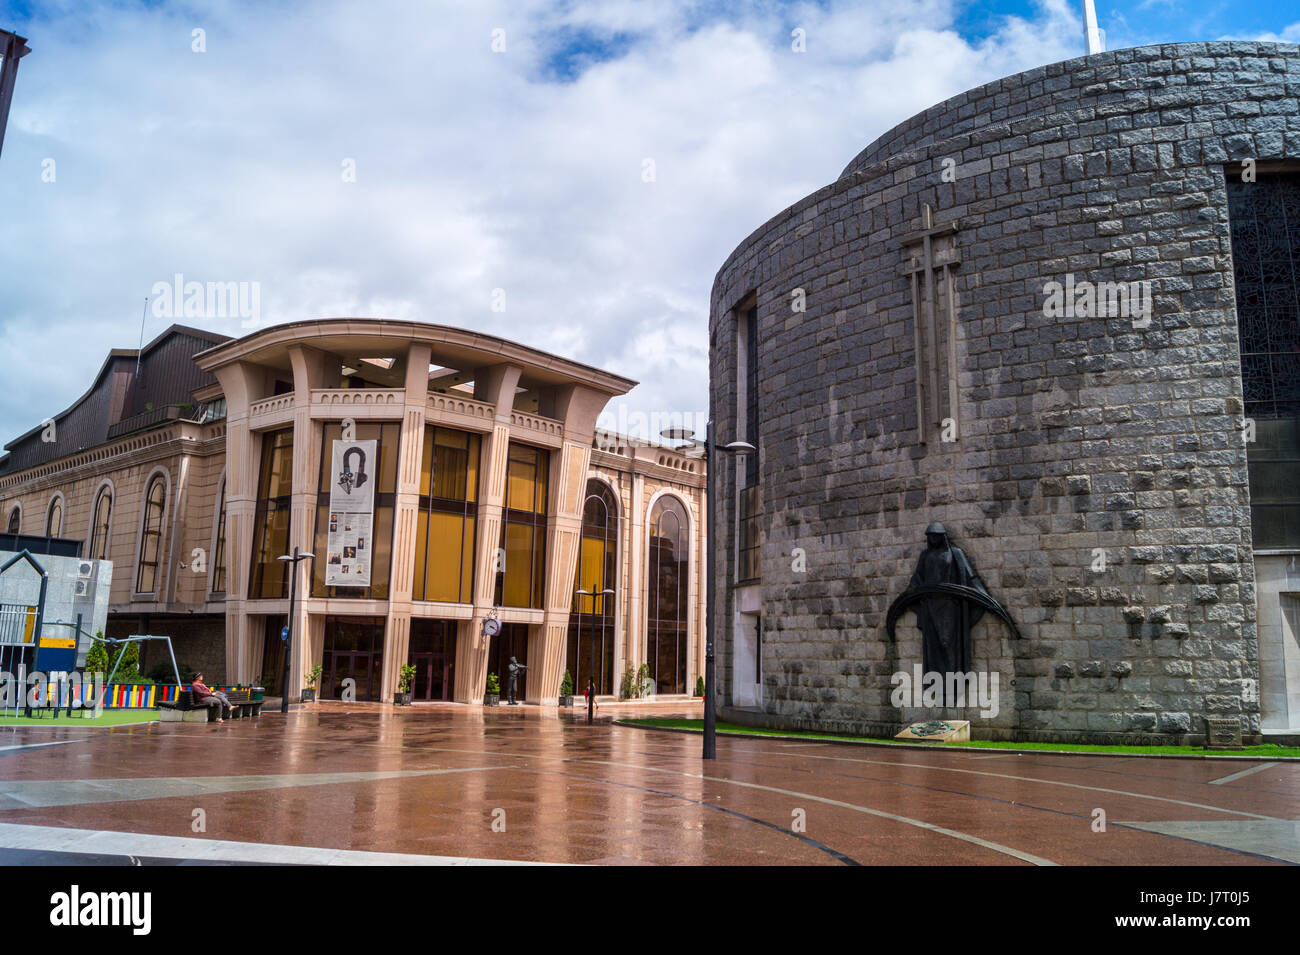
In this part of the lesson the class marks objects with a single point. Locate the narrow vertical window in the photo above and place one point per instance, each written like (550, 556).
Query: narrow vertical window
(750, 491)
(54, 518)
(15, 520)
(219, 548)
(151, 536)
(99, 529)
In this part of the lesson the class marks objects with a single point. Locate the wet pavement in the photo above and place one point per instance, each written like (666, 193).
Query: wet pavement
(450, 784)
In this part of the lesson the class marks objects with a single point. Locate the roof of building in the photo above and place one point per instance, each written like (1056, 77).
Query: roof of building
(168, 377)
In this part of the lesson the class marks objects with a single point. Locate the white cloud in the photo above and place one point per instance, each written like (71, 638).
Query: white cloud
(474, 170)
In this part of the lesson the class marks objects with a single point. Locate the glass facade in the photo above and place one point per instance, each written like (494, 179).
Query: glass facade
(387, 436)
(1265, 223)
(668, 595)
(146, 579)
(445, 534)
(523, 529)
(268, 575)
(591, 617)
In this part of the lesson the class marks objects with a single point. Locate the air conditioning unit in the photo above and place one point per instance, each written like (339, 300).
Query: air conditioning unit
(82, 588)
(85, 568)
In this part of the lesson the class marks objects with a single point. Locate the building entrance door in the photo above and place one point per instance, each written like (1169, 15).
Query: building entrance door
(432, 676)
(433, 654)
(354, 649)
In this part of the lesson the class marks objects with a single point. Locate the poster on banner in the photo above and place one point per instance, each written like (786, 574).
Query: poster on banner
(352, 513)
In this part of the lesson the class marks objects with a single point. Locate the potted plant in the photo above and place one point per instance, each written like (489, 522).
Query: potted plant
(699, 686)
(309, 691)
(566, 690)
(405, 678)
(493, 695)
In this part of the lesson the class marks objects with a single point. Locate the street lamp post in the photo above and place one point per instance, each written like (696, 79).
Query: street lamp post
(607, 592)
(292, 560)
(710, 522)
(577, 647)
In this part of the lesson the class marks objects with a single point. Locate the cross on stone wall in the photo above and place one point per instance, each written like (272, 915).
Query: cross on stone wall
(934, 250)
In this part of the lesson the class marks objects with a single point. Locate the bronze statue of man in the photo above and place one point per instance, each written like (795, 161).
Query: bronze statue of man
(945, 622)
(512, 673)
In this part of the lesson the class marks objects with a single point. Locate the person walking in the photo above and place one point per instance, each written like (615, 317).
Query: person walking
(591, 698)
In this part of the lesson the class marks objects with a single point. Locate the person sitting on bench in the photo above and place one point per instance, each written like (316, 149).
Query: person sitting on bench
(203, 696)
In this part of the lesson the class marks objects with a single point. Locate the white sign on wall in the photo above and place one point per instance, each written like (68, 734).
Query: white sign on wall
(352, 514)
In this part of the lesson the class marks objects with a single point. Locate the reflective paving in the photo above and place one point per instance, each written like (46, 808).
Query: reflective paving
(448, 784)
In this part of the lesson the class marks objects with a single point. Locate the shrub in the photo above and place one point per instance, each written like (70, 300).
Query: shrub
(566, 685)
(493, 685)
(406, 678)
(161, 672)
(699, 686)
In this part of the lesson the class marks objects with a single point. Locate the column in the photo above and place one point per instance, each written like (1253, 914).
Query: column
(497, 386)
(406, 517)
(241, 385)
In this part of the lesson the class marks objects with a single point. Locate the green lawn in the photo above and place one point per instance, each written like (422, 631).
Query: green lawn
(107, 718)
(696, 726)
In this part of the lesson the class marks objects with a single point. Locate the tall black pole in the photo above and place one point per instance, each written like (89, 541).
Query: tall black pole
(288, 645)
(710, 528)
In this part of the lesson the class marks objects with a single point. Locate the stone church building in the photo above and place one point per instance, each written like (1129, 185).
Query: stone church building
(1059, 314)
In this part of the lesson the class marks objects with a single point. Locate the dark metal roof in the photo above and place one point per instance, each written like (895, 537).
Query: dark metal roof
(167, 376)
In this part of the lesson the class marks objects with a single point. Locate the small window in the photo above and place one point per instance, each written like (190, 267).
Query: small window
(15, 520)
(54, 519)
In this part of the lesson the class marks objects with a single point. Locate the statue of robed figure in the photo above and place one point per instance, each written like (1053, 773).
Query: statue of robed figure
(949, 598)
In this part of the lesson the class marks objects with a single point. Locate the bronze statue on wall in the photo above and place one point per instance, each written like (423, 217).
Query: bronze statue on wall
(948, 598)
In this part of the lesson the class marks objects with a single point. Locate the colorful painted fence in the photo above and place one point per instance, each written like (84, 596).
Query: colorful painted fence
(119, 696)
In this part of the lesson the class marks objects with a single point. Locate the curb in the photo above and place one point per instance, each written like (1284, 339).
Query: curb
(951, 748)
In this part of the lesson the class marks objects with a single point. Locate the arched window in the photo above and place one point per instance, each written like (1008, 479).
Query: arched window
(15, 520)
(151, 536)
(54, 518)
(591, 617)
(99, 528)
(667, 598)
(219, 547)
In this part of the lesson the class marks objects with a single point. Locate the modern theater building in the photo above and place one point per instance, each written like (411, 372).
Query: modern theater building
(1060, 315)
(440, 477)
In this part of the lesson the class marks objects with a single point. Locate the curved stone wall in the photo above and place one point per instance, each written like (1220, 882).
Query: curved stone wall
(1096, 474)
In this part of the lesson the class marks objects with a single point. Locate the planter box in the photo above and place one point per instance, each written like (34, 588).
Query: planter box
(491, 699)
(309, 696)
(566, 701)
(402, 699)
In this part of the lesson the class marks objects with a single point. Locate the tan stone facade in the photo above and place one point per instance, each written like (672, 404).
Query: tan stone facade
(299, 380)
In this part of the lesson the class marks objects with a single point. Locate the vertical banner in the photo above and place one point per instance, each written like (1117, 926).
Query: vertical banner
(352, 514)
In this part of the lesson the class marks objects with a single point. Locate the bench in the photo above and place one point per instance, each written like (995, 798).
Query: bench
(245, 703)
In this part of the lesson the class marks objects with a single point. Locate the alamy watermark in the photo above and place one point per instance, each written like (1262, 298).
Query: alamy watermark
(182, 299)
(1084, 299)
(921, 689)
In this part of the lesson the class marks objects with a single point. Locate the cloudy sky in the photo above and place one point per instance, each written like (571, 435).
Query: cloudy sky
(406, 159)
